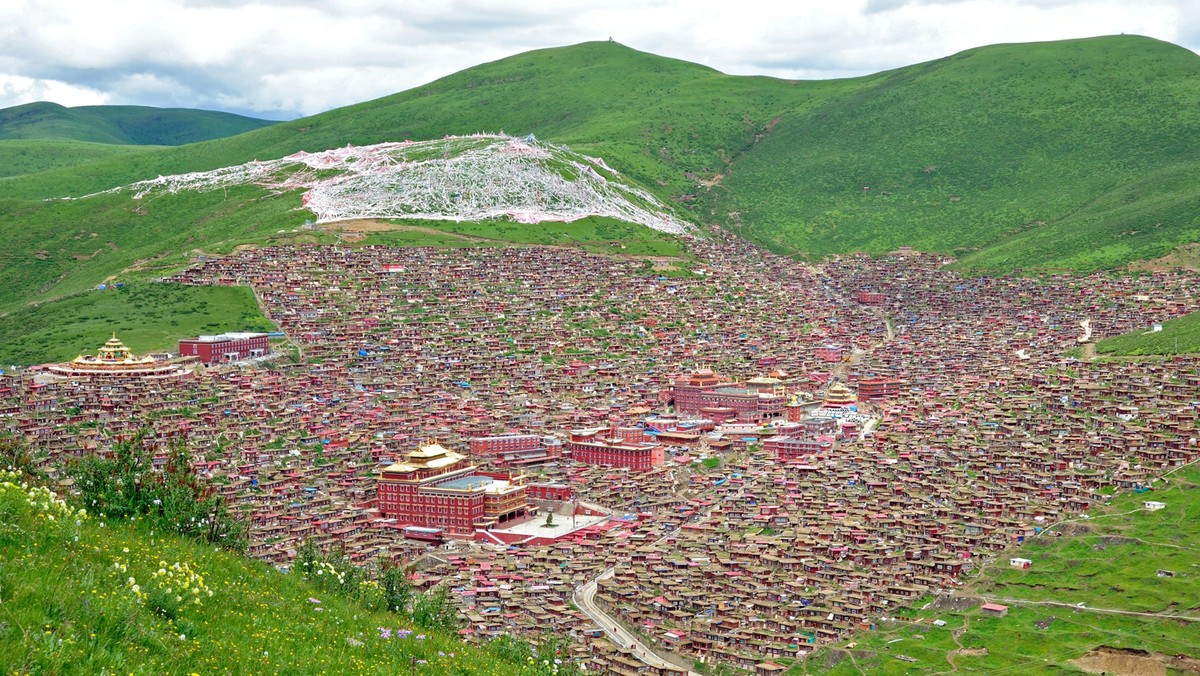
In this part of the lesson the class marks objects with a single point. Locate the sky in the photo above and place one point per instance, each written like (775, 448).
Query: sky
(282, 59)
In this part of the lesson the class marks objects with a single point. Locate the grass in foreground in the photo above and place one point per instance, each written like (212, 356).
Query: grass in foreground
(78, 595)
(146, 316)
(1106, 562)
(1178, 336)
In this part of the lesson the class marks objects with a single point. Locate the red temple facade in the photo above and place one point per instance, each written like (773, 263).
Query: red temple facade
(868, 297)
(438, 488)
(688, 390)
(831, 353)
(792, 448)
(616, 448)
(517, 449)
(707, 395)
(225, 347)
(871, 389)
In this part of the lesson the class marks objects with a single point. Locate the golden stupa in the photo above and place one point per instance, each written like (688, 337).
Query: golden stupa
(114, 359)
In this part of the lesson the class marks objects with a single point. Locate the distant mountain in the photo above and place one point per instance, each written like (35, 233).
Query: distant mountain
(121, 125)
(1076, 155)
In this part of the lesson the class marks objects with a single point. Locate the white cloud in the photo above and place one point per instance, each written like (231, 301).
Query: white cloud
(15, 90)
(290, 58)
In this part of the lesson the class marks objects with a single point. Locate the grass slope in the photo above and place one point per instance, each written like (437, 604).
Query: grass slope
(1109, 561)
(1076, 154)
(1178, 336)
(122, 125)
(54, 249)
(594, 233)
(30, 156)
(653, 118)
(145, 316)
(69, 606)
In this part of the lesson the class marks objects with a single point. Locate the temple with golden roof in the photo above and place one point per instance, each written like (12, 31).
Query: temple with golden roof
(114, 360)
(435, 487)
(839, 396)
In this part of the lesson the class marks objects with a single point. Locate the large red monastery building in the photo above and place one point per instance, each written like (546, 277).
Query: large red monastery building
(517, 449)
(708, 395)
(438, 488)
(225, 347)
(622, 447)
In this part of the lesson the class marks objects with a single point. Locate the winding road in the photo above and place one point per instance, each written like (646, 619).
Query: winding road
(585, 599)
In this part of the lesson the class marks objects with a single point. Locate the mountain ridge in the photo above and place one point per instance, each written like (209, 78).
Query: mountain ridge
(1073, 155)
(121, 125)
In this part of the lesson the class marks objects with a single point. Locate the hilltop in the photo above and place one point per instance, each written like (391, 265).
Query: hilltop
(1071, 155)
(519, 190)
(121, 125)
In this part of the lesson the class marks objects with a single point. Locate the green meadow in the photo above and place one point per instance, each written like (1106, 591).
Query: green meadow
(84, 594)
(1108, 561)
(1178, 336)
(595, 233)
(121, 125)
(146, 316)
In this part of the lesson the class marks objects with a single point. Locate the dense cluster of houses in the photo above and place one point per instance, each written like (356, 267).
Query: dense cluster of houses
(844, 438)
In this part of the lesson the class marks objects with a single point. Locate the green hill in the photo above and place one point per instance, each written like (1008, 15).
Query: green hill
(121, 125)
(89, 595)
(1075, 154)
(30, 156)
(1178, 336)
(1078, 154)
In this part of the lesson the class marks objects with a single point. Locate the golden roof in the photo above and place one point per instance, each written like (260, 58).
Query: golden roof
(839, 393)
(429, 456)
(113, 354)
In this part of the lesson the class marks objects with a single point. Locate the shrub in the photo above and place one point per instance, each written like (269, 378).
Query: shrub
(176, 499)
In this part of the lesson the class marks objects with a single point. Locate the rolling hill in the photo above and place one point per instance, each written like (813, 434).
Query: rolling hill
(1067, 155)
(121, 125)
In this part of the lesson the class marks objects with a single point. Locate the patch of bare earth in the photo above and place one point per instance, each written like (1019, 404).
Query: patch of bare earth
(1185, 256)
(956, 603)
(1130, 662)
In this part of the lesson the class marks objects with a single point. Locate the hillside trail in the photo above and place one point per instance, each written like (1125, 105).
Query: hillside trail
(956, 635)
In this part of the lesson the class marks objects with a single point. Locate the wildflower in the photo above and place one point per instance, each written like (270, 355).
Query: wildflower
(312, 600)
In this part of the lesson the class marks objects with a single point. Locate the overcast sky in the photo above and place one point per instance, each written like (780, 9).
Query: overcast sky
(286, 58)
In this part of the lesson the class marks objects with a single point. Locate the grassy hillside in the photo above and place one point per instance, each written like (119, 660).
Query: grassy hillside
(145, 316)
(82, 596)
(1078, 154)
(652, 117)
(122, 125)
(1178, 336)
(30, 156)
(1074, 154)
(1109, 561)
(59, 248)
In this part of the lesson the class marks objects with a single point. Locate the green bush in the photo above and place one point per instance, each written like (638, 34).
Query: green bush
(126, 486)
